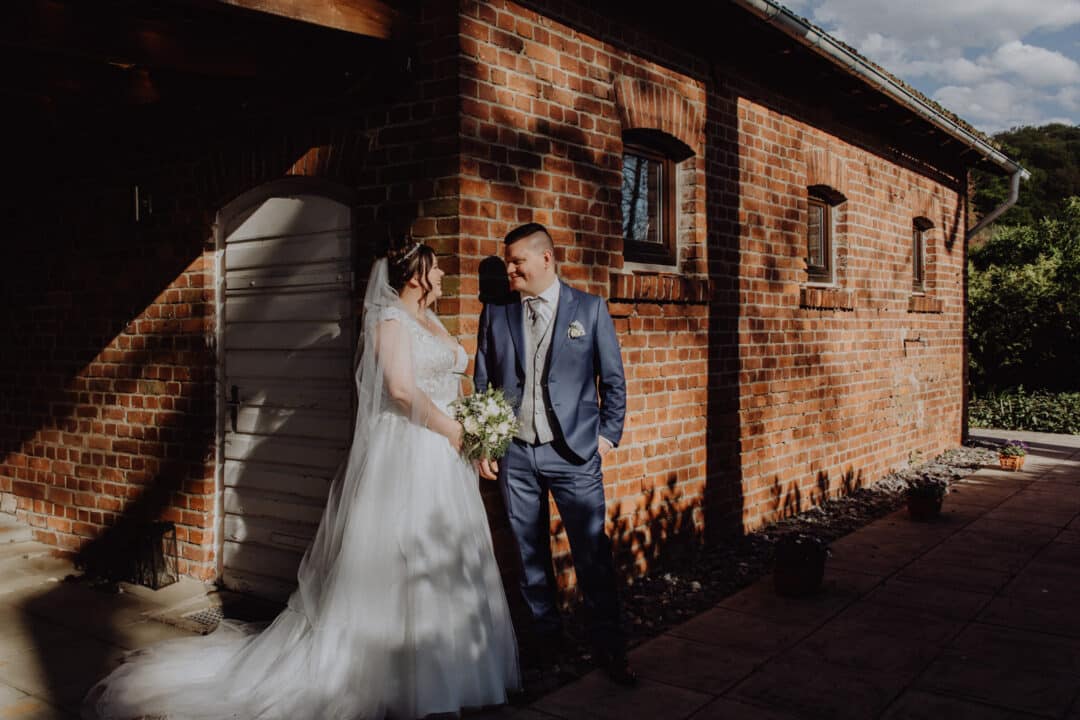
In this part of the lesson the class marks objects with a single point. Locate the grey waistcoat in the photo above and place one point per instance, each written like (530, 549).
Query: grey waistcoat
(533, 414)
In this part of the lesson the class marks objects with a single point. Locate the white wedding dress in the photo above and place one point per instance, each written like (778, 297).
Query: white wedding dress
(399, 611)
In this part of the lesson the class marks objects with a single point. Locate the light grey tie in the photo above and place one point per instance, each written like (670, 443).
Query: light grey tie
(536, 316)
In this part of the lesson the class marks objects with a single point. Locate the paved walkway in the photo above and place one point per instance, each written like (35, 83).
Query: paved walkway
(973, 616)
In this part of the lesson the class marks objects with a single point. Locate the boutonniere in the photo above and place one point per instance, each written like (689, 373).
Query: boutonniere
(575, 330)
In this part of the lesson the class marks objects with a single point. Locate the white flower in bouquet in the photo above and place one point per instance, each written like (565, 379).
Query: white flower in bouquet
(489, 423)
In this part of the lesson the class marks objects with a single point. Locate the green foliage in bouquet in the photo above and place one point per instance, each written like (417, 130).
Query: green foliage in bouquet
(489, 424)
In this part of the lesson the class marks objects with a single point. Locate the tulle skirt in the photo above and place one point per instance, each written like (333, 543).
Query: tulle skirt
(402, 615)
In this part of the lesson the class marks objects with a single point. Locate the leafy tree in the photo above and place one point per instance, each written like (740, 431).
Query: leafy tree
(1052, 154)
(1024, 305)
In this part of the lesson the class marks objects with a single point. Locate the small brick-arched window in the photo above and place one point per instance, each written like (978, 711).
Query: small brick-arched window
(820, 233)
(919, 231)
(650, 195)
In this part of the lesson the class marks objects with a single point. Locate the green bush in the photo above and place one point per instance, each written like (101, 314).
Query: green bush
(1024, 305)
(1019, 410)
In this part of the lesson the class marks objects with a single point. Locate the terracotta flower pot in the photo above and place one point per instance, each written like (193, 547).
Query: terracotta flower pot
(1011, 462)
(924, 507)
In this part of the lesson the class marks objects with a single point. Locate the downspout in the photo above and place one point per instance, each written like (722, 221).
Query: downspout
(1014, 193)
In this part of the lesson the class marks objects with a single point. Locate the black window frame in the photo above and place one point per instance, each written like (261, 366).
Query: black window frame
(823, 273)
(664, 252)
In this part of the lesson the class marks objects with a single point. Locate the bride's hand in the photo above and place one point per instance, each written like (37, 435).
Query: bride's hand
(456, 436)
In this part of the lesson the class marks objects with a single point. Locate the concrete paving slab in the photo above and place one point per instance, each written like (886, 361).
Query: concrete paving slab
(1031, 532)
(26, 632)
(1065, 557)
(1058, 520)
(1046, 583)
(956, 577)
(962, 554)
(79, 608)
(860, 648)
(922, 705)
(900, 623)
(60, 673)
(684, 663)
(1005, 543)
(839, 589)
(28, 707)
(596, 697)
(1023, 649)
(1068, 536)
(11, 530)
(1049, 616)
(929, 597)
(725, 709)
(820, 690)
(1041, 693)
(1045, 497)
(752, 637)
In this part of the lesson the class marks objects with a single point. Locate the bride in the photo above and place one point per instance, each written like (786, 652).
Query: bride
(399, 611)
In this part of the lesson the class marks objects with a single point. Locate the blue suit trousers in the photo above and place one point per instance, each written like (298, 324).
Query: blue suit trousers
(527, 474)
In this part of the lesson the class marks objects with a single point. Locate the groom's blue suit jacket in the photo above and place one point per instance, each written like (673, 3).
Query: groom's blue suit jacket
(584, 382)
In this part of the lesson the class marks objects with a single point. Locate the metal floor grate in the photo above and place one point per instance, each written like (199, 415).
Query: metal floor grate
(210, 616)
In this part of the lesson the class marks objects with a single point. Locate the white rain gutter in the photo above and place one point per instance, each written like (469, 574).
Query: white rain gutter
(806, 34)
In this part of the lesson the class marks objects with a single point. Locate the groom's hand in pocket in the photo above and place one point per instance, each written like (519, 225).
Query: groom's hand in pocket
(603, 446)
(489, 469)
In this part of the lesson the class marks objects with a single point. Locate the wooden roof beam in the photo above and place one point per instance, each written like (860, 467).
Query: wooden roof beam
(372, 18)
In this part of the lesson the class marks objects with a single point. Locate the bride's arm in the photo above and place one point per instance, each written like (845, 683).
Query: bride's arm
(393, 349)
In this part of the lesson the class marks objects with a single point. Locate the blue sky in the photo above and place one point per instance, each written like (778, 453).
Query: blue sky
(996, 63)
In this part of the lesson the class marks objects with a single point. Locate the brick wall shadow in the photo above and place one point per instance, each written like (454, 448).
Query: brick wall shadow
(724, 493)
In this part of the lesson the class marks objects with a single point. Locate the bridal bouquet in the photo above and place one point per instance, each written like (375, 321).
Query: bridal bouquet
(489, 422)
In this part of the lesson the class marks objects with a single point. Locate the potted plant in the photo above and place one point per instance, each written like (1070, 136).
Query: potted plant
(1011, 455)
(924, 494)
(800, 564)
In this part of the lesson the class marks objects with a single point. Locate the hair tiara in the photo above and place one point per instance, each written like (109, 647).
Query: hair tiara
(411, 252)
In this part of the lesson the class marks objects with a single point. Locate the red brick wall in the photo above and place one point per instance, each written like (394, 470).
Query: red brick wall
(839, 387)
(744, 405)
(108, 381)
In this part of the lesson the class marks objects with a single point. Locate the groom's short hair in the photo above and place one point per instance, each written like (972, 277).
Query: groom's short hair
(528, 229)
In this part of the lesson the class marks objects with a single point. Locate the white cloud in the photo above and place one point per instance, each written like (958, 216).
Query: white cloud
(994, 105)
(938, 24)
(1069, 98)
(972, 56)
(1035, 65)
(964, 71)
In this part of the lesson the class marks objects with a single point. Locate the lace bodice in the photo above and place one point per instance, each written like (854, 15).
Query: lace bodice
(434, 361)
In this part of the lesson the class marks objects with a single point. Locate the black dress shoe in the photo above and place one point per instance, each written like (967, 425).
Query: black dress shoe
(617, 667)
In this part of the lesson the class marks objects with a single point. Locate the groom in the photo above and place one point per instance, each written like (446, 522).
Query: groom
(553, 351)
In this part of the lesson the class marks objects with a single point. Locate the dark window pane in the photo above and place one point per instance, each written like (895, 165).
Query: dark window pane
(815, 238)
(918, 266)
(641, 199)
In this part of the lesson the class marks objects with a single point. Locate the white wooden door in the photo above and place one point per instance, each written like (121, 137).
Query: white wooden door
(286, 346)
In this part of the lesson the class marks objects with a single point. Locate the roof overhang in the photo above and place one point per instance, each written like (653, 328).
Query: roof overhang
(372, 18)
(853, 64)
